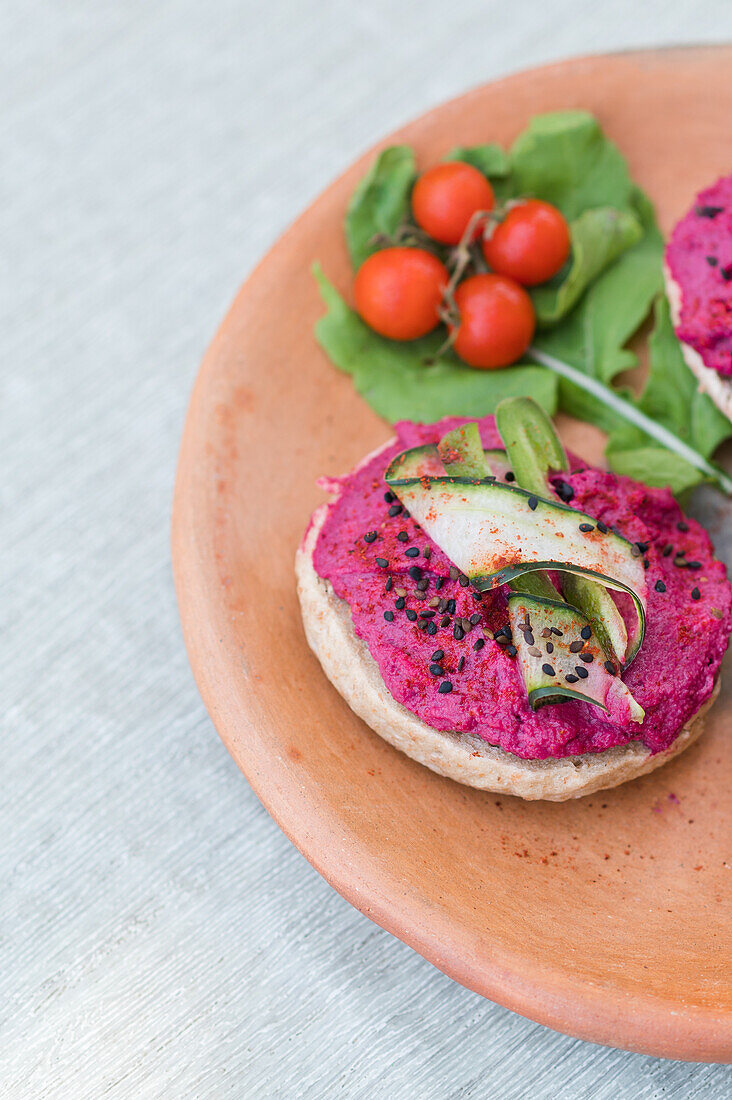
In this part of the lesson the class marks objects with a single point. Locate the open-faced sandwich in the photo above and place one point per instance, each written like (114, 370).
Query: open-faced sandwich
(509, 616)
(698, 271)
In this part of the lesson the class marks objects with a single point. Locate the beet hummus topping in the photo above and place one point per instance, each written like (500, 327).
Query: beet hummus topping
(699, 257)
(549, 663)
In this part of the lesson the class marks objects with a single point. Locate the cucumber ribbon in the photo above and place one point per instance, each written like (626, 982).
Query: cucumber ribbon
(497, 533)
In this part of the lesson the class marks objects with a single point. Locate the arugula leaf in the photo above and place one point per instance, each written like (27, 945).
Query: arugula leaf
(564, 158)
(672, 398)
(395, 380)
(599, 236)
(492, 161)
(593, 336)
(380, 202)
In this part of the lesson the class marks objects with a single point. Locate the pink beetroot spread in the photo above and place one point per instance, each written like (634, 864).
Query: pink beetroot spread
(673, 674)
(699, 257)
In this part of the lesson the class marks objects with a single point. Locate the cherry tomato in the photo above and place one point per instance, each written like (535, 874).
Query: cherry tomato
(445, 198)
(530, 244)
(398, 292)
(496, 321)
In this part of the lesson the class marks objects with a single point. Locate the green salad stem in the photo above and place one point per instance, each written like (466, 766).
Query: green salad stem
(632, 414)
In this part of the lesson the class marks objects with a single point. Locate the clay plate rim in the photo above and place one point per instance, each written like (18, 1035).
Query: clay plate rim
(550, 993)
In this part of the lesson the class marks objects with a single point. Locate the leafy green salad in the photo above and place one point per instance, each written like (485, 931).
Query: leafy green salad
(585, 315)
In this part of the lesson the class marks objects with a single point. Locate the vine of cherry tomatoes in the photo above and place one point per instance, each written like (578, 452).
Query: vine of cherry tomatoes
(403, 292)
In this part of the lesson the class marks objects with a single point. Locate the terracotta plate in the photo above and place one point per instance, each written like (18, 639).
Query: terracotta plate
(608, 918)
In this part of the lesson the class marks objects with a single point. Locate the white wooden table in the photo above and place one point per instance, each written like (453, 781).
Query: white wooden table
(159, 935)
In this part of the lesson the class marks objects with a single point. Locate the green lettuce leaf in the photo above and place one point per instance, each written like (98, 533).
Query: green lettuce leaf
(395, 380)
(380, 203)
(564, 158)
(599, 236)
(671, 397)
(594, 335)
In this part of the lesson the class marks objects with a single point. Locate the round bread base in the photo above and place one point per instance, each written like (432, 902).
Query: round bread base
(711, 382)
(352, 670)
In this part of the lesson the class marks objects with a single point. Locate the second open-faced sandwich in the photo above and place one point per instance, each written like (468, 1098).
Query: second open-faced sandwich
(698, 271)
(509, 616)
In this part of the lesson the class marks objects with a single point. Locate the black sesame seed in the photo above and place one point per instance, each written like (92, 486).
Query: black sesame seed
(437, 655)
(712, 261)
(564, 491)
(419, 595)
(406, 514)
(478, 596)
(454, 573)
(458, 633)
(432, 628)
(646, 563)
(415, 572)
(394, 510)
(695, 594)
(451, 605)
(442, 605)
(575, 647)
(463, 582)
(479, 644)
(427, 552)
(461, 664)
(445, 620)
(412, 552)
(411, 615)
(708, 211)
(550, 647)
(427, 614)
(445, 687)
(382, 562)
(682, 526)
(370, 536)
(602, 527)
(439, 583)
(510, 475)
(726, 273)
(529, 637)
(667, 550)
(389, 616)
(475, 619)
(389, 496)
(586, 632)
(610, 667)
(422, 624)
(581, 672)
(533, 502)
(660, 586)
(571, 679)
(511, 650)
(389, 583)
(548, 670)
(423, 585)
(559, 633)
(693, 565)
(585, 527)
(587, 658)
(399, 604)
(643, 547)
(437, 670)
(403, 536)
